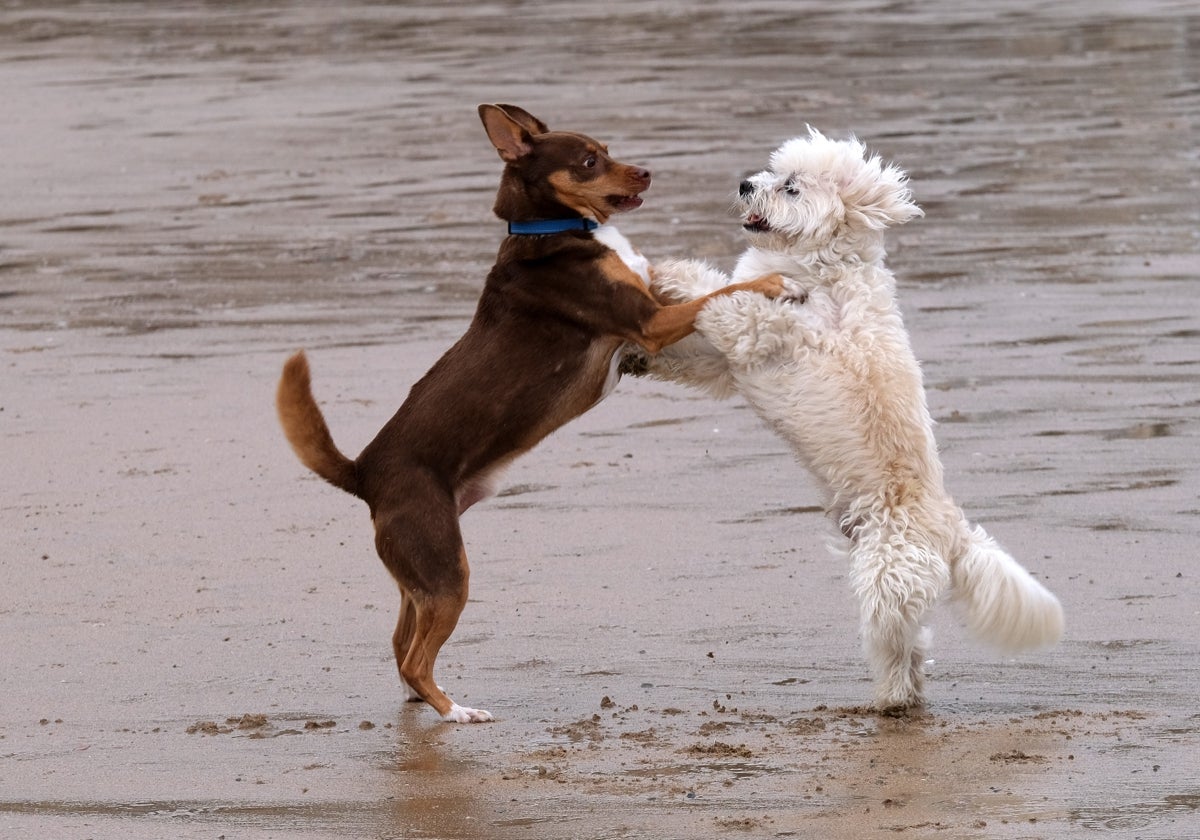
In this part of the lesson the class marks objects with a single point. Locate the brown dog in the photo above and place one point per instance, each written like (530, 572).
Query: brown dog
(566, 292)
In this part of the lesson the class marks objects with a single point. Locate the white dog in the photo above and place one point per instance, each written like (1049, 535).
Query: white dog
(832, 371)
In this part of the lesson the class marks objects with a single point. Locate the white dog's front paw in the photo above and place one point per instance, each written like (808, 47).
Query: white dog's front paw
(748, 329)
(676, 281)
(461, 714)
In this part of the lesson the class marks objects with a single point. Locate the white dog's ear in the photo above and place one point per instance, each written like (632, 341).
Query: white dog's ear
(877, 197)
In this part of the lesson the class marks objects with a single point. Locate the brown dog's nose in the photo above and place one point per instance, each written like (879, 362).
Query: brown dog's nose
(642, 174)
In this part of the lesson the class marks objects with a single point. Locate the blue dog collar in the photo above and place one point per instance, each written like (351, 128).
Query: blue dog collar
(543, 226)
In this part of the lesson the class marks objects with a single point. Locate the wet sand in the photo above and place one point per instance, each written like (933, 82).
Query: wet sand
(196, 631)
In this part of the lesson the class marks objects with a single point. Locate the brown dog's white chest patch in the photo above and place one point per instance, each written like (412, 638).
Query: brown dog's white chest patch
(615, 241)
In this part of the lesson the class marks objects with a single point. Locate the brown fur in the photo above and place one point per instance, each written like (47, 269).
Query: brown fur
(553, 312)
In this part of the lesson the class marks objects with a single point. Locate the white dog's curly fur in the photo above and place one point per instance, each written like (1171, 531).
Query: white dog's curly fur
(832, 371)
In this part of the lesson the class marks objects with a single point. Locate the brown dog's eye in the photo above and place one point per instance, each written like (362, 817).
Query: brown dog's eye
(590, 163)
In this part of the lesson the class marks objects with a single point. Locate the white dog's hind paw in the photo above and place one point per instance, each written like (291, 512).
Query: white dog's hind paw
(899, 700)
(461, 714)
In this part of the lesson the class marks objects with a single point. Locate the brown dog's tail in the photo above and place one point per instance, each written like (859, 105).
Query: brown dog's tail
(305, 427)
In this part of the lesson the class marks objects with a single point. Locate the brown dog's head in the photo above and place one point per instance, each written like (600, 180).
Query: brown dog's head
(557, 174)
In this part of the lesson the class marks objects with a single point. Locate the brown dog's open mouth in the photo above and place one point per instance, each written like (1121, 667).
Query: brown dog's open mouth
(622, 203)
(756, 223)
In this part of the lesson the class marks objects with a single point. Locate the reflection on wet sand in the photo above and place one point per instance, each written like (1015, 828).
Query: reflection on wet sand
(438, 789)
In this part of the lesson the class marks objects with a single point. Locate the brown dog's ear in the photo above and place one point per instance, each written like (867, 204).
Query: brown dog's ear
(525, 119)
(511, 139)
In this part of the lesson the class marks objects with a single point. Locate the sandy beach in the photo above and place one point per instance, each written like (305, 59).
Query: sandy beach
(196, 631)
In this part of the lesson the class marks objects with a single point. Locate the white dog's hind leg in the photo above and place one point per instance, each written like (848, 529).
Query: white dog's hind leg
(1005, 606)
(896, 583)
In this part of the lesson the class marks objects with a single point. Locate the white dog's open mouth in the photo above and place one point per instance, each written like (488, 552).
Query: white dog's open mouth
(756, 223)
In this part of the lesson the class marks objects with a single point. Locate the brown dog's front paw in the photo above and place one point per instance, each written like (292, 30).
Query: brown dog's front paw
(771, 285)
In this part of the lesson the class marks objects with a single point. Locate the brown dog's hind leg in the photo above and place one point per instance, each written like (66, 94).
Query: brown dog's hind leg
(402, 639)
(421, 545)
(435, 619)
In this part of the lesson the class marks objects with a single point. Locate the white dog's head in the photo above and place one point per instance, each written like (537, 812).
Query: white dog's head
(820, 194)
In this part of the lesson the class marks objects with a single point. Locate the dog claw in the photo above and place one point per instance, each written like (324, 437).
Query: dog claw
(461, 714)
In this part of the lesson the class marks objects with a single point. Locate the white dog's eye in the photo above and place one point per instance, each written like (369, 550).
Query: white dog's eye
(790, 187)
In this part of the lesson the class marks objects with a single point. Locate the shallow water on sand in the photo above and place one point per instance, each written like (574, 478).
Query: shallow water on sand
(197, 635)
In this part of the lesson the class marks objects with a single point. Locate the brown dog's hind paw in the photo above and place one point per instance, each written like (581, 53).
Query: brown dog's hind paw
(461, 714)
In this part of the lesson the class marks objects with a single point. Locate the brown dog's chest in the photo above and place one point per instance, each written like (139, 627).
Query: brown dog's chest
(540, 351)
(615, 241)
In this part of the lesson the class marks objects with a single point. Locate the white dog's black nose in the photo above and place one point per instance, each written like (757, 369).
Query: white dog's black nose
(746, 187)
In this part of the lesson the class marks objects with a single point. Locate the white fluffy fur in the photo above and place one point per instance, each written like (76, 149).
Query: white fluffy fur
(831, 370)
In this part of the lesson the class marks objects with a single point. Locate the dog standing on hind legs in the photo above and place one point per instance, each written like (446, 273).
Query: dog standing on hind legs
(567, 291)
(830, 368)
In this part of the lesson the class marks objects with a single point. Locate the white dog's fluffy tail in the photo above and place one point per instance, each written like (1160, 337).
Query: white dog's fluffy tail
(1005, 606)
